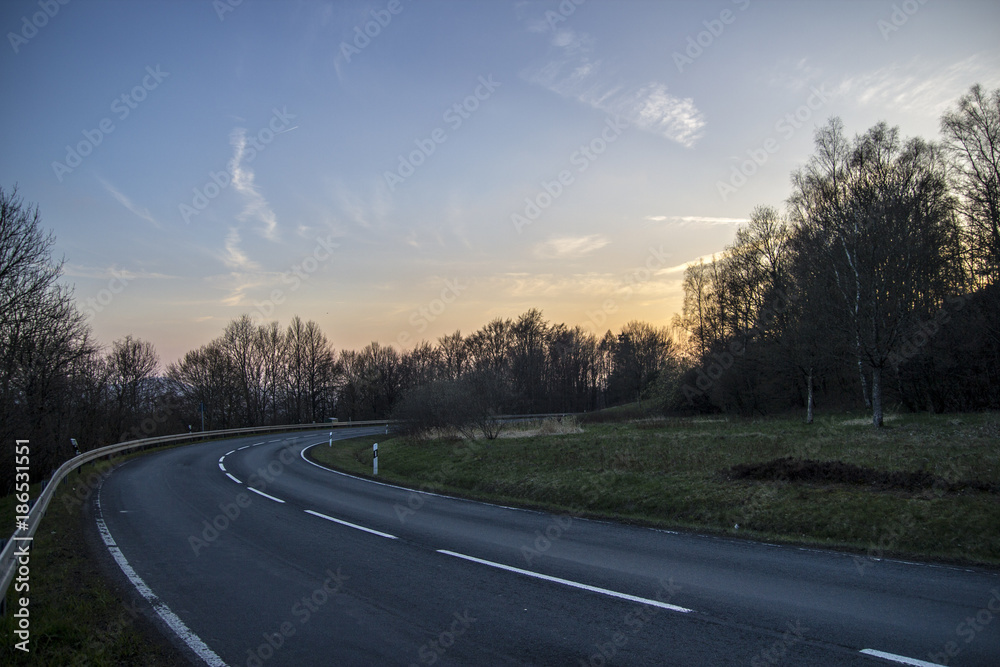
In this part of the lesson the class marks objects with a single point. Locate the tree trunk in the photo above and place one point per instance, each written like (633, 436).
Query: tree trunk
(864, 383)
(877, 397)
(809, 398)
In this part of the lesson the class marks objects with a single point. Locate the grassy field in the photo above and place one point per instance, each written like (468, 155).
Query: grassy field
(924, 486)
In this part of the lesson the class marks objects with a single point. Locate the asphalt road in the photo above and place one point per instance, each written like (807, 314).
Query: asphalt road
(328, 569)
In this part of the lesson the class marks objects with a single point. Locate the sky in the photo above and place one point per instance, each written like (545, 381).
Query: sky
(397, 170)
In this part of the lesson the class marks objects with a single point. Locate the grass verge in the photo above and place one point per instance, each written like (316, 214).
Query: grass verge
(76, 616)
(679, 473)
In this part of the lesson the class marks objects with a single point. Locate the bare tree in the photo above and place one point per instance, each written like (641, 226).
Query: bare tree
(757, 265)
(972, 140)
(311, 372)
(27, 273)
(271, 347)
(131, 369)
(208, 379)
(454, 355)
(882, 215)
(372, 381)
(490, 346)
(295, 338)
(806, 336)
(754, 274)
(572, 369)
(323, 370)
(697, 312)
(241, 343)
(528, 343)
(421, 365)
(43, 338)
(641, 352)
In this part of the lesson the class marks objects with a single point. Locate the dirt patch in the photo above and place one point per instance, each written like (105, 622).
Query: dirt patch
(788, 469)
(867, 421)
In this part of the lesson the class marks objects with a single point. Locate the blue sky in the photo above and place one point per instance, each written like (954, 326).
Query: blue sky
(399, 170)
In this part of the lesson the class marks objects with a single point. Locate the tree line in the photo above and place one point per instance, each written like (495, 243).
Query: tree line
(255, 374)
(876, 286)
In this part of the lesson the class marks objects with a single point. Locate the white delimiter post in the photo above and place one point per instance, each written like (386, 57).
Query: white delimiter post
(331, 438)
(375, 459)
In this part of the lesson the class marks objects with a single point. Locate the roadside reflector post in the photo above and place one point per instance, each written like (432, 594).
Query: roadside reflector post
(375, 459)
(76, 449)
(331, 438)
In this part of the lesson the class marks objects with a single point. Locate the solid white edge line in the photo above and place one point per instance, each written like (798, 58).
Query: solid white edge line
(352, 525)
(233, 478)
(174, 622)
(408, 489)
(277, 500)
(567, 582)
(404, 488)
(902, 659)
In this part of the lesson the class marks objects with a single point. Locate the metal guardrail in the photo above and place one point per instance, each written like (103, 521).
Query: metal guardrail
(8, 558)
(541, 416)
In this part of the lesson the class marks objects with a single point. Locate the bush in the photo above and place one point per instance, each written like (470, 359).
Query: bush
(469, 405)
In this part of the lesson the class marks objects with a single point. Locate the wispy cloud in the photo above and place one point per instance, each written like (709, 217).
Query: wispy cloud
(794, 75)
(236, 285)
(685, 220)
(920, 86)
(352, 205)
(365, 211)
(244, 273)
(127, 203)
(534, 285)
(457, 216)
(109, 272)
(572, 71)
(570, 247)
(233, 256)
(449, 228)
(256, 206)
(589, 287)
(652, 108)
(681, 268)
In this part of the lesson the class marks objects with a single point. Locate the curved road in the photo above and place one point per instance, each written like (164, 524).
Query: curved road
(250, 555)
